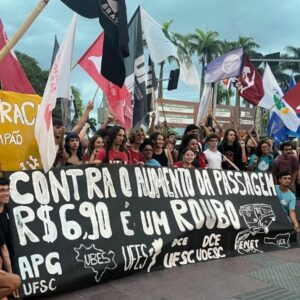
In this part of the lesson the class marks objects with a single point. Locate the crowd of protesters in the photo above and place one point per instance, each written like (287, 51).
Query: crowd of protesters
(203, 146)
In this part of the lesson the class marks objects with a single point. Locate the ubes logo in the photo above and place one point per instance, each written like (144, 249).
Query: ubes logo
(96, 259)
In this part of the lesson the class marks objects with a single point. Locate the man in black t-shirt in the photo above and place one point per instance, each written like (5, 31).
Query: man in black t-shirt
(9, 282)
(233, 151)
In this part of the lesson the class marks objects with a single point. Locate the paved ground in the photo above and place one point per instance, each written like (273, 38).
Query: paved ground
(272, 275)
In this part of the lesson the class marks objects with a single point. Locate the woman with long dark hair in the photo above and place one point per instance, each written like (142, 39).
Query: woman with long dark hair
(232, 150)
(114, 152)
(191, 142)
(160, 153)
(96, 143)
(187, 159)
(262, 160)
(73, 149)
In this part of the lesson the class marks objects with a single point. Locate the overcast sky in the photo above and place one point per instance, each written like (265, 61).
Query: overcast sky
(273, 24)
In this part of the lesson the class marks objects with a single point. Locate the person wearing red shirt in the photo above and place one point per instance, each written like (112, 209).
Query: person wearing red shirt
(114, 152)
(188, 157)
(136, 139)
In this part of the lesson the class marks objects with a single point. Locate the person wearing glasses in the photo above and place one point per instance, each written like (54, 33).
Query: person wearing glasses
(9, 282)
(262, 160)
(147, 151)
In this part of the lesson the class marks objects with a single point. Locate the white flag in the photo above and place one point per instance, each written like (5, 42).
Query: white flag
(58, 86)
(273, 99)
(205, 103)
(161, 46)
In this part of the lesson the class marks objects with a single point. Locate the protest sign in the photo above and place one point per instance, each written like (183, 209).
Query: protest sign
(83, 225)
(18, 147)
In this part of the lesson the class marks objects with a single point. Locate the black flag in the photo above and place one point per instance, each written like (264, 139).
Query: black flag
(151, 87)
(113, 18)
(55, 49)
(135, 69)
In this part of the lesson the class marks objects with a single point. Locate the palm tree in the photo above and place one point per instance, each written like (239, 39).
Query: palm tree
(247, 43)
(226, 46)
(292, 52)
(165, 27)
(206, 46)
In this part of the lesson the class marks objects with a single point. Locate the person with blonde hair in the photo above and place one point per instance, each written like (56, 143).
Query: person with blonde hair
(136, 138)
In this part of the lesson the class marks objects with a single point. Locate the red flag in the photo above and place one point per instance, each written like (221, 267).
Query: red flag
(292, 97)
(119, 99)
(12, 76)
(250, 84)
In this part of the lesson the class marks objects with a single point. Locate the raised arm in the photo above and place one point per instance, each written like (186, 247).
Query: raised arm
(152, 124)
(83, 119)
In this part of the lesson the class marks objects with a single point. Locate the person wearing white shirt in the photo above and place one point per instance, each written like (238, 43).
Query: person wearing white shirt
(213, 155)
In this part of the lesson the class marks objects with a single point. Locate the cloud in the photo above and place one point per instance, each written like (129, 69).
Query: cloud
(272, 23)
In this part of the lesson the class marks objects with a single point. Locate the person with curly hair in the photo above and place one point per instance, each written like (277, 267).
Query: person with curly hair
(114, 152)
(262, 160)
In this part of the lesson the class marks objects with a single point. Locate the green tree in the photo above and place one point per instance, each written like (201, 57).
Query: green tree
(206, 45)
(37, 77)
(247, 43)
(226, 46)
(165, 27)
(78, 104)
(292, 53)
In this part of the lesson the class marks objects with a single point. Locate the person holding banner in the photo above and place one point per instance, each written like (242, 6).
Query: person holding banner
(287, 198)
(191, 141)
(9, 282)
(231, 148)
(187, 159)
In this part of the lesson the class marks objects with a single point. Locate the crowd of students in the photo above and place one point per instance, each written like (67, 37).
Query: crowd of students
(200, 147)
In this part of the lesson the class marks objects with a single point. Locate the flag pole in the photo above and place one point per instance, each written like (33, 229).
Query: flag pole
(74, 66)
(262, 117)
(38, 9)
(95, 94)
(230, 162)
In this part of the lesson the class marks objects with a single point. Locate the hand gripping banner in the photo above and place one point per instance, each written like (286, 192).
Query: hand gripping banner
(81, 226)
